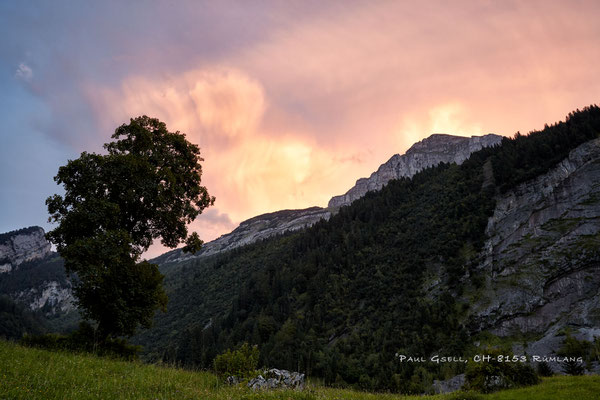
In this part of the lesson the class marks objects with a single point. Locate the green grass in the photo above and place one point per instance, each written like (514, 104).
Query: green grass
(27, 373)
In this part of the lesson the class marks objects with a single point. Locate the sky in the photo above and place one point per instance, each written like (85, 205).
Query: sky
(290, 101)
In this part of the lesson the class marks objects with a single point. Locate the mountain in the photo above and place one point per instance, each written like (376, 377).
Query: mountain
(436, 149)
(252, 230)
(501, 248)
(541, 261)
(47, 288)
(22, 245)
(34, 277)
(53, 292)
(429, 152)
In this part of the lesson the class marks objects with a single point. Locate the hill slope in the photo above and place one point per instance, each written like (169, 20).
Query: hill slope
(407, 269)
(48, 375)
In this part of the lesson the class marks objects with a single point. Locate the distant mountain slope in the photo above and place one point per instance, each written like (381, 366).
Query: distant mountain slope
(34, 277)
(17, 320)
(252, 230)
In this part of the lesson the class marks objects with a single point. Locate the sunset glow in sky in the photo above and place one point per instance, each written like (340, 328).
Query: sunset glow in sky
(290, 101)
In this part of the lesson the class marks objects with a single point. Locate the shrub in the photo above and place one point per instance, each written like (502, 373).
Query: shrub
(84, 340)
(495, 375)
(573, 367)
(572, 347)
(241, 363)
(544, 369)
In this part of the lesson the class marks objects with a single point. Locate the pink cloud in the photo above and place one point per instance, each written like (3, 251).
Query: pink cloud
(250, 168)
(295, 117)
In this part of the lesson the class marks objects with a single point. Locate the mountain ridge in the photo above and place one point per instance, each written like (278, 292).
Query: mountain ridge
(431, 151)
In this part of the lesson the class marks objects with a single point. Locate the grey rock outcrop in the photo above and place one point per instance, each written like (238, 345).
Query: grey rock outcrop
(232, 380)
(52, 297)
(30, 275)
(23, 245)
(449, 385)
(277, 379)
(252, 230)
(542, 258)
(436, 149)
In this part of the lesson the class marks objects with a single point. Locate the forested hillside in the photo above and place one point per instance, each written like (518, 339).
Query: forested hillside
(383, 275)
(17, 320)
(42, 288)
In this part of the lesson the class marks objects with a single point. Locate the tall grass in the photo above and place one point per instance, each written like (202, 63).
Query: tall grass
(27, 373)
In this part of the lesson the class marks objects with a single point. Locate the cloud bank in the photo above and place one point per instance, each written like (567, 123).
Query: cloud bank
(291, 102)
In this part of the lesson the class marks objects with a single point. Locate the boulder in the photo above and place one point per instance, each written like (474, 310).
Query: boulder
(232, 380)
(277, 379)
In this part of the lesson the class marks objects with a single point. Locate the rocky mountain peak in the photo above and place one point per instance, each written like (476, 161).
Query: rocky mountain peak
(430, 151)
(17, 247)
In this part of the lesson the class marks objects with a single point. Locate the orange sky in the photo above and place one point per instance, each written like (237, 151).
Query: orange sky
(295, 102)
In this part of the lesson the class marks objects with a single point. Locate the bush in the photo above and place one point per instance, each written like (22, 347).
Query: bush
(493, 375)
(573, 367)
(544, 369)
(241, 363)
(572, 347)
(83, 339)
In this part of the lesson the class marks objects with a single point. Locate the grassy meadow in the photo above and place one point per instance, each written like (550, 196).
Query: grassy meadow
(27, 373)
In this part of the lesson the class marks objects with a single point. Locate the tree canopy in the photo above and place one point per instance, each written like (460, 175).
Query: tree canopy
(115, 205)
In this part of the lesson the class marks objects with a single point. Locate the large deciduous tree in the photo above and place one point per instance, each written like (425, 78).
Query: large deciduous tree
(147, 186)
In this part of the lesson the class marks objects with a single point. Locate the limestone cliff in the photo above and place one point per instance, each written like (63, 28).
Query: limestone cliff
(23, 245)
(51, 297)
(253, 229)
(32, 275)
(542, 257)
(435, 149)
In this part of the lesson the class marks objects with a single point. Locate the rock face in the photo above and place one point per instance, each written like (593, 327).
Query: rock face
(51, 297)
(435, 149)
(31, 275)
(278, 379)
(252, 230)
(542, 258)
(449, 385)
(23, 245)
